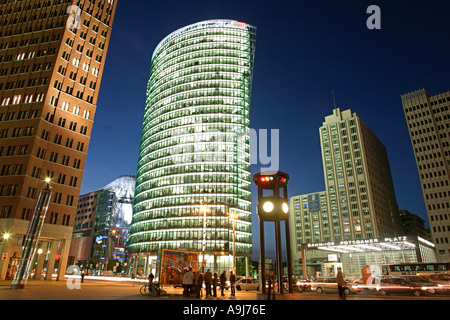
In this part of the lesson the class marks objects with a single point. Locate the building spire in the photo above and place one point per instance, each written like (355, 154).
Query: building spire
(334, 99)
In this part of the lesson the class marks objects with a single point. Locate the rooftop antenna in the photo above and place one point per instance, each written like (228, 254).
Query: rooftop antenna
(334, 99)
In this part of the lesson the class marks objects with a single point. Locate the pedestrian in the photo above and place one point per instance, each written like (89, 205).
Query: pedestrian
(223, 282)
(232, 283)
(271, 284)
(341, 284)
(208, 282)
(188, 281)
(215, 282)
(198, 280)
(82, 276)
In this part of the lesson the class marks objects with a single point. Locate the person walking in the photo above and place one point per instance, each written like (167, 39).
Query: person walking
(223, 282)
(215, 282)
(232, 283)
(271, 285)
(208, 282)
(341, 284)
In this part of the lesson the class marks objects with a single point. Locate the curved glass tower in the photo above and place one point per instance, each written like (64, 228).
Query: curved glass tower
(193, 172)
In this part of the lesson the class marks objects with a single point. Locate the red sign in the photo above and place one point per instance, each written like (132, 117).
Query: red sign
(242, 25)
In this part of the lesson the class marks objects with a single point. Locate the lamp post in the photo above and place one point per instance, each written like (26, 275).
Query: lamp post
(234, 216)
(31, 239)
(6, 237)
(204, 208)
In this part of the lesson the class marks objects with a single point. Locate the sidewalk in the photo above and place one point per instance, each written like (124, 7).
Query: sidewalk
(96, 289)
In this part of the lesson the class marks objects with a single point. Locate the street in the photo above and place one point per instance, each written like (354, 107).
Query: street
(128, 290)
(122, 298)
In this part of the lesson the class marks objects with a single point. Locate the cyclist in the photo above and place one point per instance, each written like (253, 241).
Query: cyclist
(150, 280)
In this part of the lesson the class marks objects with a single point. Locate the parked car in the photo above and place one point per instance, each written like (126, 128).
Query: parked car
(329, 285)
(247, 284)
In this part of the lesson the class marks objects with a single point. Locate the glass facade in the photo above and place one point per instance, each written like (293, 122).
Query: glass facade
(194, 163)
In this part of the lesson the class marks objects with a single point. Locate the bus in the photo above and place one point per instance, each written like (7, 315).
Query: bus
(416, 268)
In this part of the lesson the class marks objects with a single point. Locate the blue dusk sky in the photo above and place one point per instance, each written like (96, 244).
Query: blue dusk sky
(304, 51)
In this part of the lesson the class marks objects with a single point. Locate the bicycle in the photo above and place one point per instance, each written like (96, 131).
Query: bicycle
(153, 290)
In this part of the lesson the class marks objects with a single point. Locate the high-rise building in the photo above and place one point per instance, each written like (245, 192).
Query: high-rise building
(194, 162)
(102, 225)
(428, 120)
(413, 224)
(52, 55)
(359, 201)
(84, 223)
(358, 179)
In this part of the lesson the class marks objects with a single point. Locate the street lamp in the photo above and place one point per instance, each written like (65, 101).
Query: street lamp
(204, 209)
(32, 237)
(6, 237)
(234, 216)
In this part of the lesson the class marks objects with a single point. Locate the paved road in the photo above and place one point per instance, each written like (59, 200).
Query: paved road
(107, 290)
(123, 299)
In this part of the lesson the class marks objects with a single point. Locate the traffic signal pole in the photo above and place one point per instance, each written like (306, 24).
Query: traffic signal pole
(274, 208)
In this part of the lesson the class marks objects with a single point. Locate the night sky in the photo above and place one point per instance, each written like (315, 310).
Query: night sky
(304, 51)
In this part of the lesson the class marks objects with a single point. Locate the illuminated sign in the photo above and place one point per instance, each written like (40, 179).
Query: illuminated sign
(242, 25)
(174, 264)
(333, 257)
(357, 242)
(99, 239)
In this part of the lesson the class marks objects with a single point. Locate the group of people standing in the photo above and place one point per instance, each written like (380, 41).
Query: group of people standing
(193, 281)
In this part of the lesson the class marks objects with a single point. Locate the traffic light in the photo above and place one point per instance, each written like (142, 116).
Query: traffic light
(273, 207)
(266, 179)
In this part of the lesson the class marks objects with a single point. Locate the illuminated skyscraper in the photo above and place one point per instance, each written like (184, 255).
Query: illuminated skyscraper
(194, 162)
(52, 55)
(359, 201)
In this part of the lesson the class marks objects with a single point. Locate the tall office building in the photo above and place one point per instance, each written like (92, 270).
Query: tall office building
(194, 162)
(428, 120)
(358, 179)
(359, 201)
(102, 224)
(84, 223)
(52, 55)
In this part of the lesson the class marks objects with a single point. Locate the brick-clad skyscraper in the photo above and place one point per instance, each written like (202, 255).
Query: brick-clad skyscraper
(428, 122)
(52, 55)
